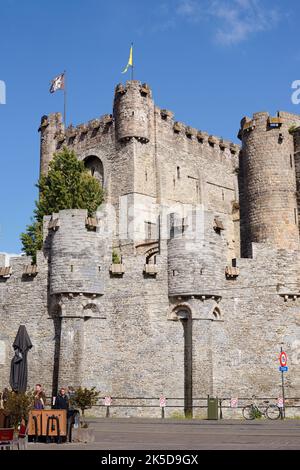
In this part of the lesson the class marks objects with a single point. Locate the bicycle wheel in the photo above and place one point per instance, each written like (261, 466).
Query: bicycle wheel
(273, 412)
(248, 412)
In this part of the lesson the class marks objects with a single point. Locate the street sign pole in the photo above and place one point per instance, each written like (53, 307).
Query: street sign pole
(282, 386)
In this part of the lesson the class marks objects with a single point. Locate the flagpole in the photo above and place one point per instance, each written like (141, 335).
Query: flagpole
(65, 99)
(132, 62)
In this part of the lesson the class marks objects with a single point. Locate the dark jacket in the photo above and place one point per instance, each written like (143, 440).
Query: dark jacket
(61, 402)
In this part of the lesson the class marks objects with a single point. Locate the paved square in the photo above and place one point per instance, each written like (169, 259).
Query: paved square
(151, 434)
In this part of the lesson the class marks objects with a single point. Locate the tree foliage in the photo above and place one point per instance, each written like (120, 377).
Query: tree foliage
(68, 185)
(19, 405)
(84, 398)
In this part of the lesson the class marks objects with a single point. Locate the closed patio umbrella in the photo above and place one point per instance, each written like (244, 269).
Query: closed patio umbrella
(18, 368)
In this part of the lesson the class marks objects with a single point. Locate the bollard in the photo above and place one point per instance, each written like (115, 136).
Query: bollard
(221, 411)
(107, 403)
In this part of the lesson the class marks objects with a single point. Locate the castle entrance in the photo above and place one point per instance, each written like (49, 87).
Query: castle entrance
(186, 321)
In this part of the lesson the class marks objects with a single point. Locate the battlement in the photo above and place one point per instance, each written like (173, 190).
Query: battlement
(265, 122)
(72, 135)
(53, 120)
(134, 116)
(195, 135)
(133, 86)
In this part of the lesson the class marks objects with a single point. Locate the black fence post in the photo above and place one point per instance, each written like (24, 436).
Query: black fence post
(220, 406)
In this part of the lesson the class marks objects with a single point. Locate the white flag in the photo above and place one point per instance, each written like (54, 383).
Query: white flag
(58, 83)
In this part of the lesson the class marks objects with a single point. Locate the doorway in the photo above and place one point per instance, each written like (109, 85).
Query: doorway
(186, 321)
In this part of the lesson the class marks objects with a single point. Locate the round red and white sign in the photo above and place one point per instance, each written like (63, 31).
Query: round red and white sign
(283, 359)
(107, 401)
(234, 402)
(280, 402)
(162, 401)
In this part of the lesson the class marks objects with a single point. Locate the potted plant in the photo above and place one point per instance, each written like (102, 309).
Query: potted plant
(117, 267)
(84, 399)
(18, 406)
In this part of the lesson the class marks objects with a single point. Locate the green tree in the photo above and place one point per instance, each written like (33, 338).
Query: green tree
(19, 405)
(84, 398)
(32, 239)
(68, 185)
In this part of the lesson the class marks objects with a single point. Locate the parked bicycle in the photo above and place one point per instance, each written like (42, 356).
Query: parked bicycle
(267, 410)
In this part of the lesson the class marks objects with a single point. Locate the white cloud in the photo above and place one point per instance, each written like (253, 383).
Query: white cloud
(233, 21)
(190, 8)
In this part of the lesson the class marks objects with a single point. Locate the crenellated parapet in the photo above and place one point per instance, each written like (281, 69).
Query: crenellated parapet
(74, 135)
(184, 132)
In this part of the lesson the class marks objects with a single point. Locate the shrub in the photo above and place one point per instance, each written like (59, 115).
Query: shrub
(116, 259)
(18, 405)
(84, 398)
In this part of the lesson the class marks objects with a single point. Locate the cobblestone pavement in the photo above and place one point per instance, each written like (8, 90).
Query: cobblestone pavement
(134, 434)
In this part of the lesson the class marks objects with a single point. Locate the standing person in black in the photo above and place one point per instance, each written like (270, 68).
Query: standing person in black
(61, 403)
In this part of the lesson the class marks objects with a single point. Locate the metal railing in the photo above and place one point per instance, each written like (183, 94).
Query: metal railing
(224, 403)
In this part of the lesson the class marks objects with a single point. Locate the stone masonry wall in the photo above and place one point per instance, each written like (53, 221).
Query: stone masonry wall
(128, 333)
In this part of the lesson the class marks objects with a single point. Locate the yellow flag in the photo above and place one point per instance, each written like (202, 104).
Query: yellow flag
(130, 61)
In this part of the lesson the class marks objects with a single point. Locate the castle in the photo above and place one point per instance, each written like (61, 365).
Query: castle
(186, 281)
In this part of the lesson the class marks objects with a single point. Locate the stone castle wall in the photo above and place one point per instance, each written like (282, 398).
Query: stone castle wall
(186, 315)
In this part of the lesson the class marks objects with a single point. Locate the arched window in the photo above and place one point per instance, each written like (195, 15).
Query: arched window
(95, 166)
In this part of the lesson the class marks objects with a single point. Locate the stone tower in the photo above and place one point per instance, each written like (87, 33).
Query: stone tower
(132, 107)
(295, 131)
(134, 181)
(268, 183)
(51, 126)
(76, 283)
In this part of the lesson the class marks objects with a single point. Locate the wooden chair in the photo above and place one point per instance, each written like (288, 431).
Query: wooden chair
(7, 438)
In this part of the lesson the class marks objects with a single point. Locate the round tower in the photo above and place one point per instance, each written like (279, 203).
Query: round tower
(132, 111)
(77, 254)
(295, 131)
(268, 183)
(50, 127)
(197, 257)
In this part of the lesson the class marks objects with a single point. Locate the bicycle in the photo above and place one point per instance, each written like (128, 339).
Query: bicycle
(254, 410)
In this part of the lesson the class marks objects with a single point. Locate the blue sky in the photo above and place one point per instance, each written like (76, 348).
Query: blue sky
(211, 62)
